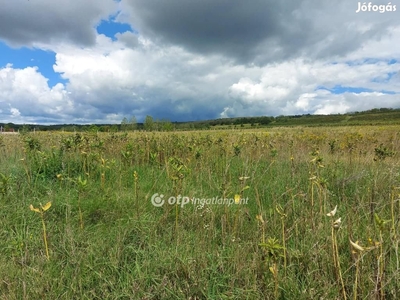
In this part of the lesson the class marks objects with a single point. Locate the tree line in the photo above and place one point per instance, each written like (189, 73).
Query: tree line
(385, 115)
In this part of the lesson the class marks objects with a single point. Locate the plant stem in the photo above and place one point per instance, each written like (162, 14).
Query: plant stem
(355, 288)
(45, 236)
(284, 244)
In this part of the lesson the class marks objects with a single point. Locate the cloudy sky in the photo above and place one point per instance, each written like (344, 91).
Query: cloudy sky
(98, 61)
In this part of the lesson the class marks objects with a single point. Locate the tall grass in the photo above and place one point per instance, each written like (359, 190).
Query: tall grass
(107, 241)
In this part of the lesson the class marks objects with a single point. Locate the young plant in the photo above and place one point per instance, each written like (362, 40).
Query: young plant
(382, 225)
(103, 172)
(4, 184)
(335, 225)
(176, 171)
(260, 219)
(357, 251)
(316, 180)
(60, 179)
(283, 216)
(394, 237)
(41, 211)
(273, 251)
(26, 168)
(135, 184)
(81, 187)
(238, 200)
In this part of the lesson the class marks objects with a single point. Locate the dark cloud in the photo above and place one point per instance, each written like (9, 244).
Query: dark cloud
(198, 59)
(227, 27)
(259, 31)
(23, 23)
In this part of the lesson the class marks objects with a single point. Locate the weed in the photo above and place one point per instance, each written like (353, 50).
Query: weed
(41, 210)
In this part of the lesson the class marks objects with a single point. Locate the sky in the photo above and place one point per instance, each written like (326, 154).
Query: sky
(98, 61)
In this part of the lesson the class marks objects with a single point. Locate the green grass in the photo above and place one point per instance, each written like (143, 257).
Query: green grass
(107, 241)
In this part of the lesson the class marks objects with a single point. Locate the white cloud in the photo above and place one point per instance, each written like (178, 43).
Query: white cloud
(28, 23)
(294, 87)
(15, 112)
(29, 97)
(171, 77)
(108, 81)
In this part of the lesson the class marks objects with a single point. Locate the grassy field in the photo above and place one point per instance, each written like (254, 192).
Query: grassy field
(310, 213)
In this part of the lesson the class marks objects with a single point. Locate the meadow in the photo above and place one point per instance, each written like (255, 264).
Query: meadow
(321, 220)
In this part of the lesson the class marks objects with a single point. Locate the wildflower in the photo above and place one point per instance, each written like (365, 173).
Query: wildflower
(46, 206)
(34, 209)
(260, 218)
(337, 223)
(43, 208)
(41, 211)
(274, 269)
(333, 212)
(237, 199)
(243, 178)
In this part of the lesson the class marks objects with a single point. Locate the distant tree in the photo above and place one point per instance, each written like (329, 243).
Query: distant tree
(124, 124)
(166, 125)
(114, 128)
(93, 128)
(71, 128)
(157, 125)
(105, 128)
(148, 123)
(265, 120)
(132, 123)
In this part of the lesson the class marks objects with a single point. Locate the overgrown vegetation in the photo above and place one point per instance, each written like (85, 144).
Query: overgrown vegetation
(321, 220)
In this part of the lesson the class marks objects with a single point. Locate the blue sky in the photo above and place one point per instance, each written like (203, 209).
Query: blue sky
(23, 57)
(98, 62)
(111, 27)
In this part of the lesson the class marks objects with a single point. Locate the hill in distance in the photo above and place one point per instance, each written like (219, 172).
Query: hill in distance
(377, 116)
